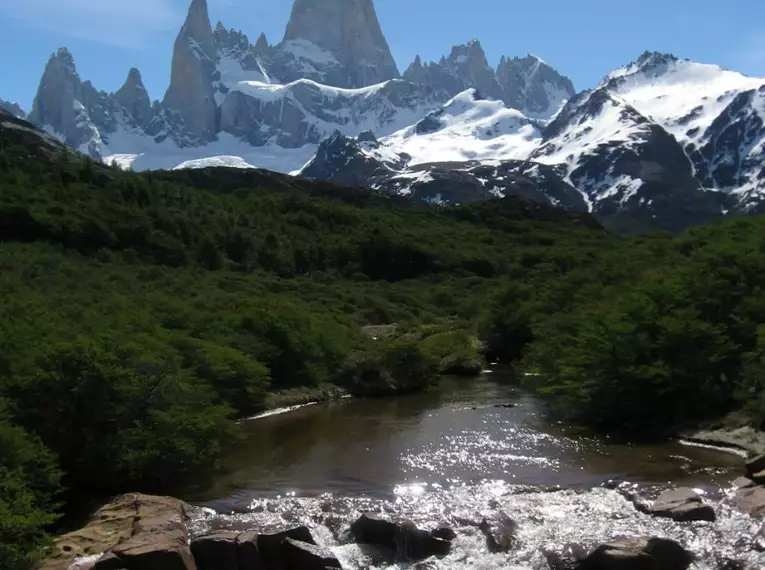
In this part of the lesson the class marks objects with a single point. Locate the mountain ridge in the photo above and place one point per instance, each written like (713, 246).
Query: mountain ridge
(662, 140)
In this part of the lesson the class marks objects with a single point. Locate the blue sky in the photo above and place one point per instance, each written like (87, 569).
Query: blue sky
(583, 39)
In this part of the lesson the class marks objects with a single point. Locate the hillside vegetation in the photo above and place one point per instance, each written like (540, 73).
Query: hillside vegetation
(140, 314)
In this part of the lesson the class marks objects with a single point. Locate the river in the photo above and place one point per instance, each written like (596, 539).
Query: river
(456, 454)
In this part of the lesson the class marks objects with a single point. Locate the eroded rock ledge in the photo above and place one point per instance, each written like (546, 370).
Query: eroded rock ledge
(143, 532)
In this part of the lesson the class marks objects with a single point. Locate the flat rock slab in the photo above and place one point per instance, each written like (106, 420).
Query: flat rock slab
(299, 555)
(682, 505)
(638, 554)
(745, 439)
(743, 483)
(217, 551)
(270, 544)
(117, 522)
(751, 500)
(154, 554)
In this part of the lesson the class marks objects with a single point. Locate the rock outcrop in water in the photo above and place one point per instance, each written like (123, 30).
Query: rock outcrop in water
(683, 505)
(140, 532)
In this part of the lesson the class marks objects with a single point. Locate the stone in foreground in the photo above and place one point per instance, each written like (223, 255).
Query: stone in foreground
(134, 521)
(743, 483)
(501, 532)
(751, 501)
(682, 505)
(270, 545)
(404, 539)
(218, 551)
(638, 554)
(299, 555)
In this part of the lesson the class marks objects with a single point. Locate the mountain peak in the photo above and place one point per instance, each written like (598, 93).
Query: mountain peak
(135, 99)
(134, 78)
(261, 46)
(191, 96)
(197, 27)
(470, 51)
(652, 58)
(62, 59)
(350, 31)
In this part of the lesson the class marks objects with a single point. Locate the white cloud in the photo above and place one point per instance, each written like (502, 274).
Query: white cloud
(124, 23)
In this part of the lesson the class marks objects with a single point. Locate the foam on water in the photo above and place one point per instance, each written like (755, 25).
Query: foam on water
(548, 521)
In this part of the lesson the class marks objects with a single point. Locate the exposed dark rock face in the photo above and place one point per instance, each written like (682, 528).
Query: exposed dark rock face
(403, 540)
(682, 505)
(638, 554)
(501, 533)
(524, 83)
(369, 163)
(190, 99)
(13, 108)
(341, 39)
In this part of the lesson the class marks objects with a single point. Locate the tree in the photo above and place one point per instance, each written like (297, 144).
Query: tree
(29, 482)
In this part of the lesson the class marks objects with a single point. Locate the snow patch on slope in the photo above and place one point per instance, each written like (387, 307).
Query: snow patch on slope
(683, 96)
(470, 129)
(215, 161)
(130, 150)
(351, 111)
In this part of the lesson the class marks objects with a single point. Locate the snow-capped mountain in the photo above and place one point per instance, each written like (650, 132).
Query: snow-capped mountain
(526, 84)
(661, 142)
(365, 161)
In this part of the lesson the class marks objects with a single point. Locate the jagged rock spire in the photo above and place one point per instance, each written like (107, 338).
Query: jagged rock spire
(135, 99)
(261, 46)
(351, 32)
(191, 95)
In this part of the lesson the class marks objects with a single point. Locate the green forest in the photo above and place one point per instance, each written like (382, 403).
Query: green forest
(141, 314)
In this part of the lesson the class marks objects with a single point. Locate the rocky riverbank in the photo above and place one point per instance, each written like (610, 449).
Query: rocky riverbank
(744, 440)
(141, 532)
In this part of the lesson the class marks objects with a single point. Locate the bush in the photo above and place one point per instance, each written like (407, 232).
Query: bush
(389, 367)
(118, 420)
(29, 481)
(456, 352)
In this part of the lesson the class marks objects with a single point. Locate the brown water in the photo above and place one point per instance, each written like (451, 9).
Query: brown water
(449, 436)
(452, 455)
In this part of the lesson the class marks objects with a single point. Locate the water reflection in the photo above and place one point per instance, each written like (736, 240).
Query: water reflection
(448, 436)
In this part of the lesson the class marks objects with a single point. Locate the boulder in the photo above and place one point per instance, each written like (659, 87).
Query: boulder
(217, 551)
(755, 465)
(751, 500)
(109, 561)
(247, 552)
(370, 528)
(270, 545)
(117, 523)
(444, 532)
(567, 558)
(501, 532)
(416, 544)
(638, 554)
(743, 483)
(404, 539)
(155, 552)
(299, 555)
(682, 505)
